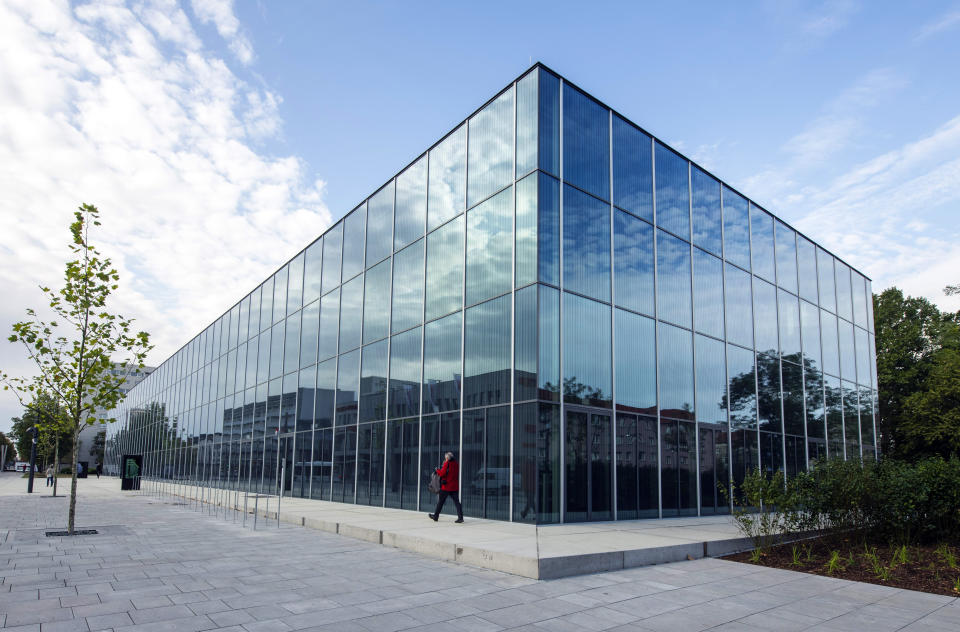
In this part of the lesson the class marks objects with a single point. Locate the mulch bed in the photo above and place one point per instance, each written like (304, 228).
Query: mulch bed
(929, 568)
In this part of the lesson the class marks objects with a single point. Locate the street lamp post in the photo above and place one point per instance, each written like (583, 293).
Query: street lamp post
(33, 458)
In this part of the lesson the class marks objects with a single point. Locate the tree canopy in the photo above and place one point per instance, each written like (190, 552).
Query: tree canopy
(918, 370)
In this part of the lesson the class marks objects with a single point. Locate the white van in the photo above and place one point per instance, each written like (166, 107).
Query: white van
(495, 480)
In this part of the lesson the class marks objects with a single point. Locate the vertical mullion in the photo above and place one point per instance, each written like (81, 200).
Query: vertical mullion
(656, 325)
(693, 345)
(560, 326)
(513, 311)
(613, 327)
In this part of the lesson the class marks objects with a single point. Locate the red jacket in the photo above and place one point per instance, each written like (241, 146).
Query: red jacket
(450, 475)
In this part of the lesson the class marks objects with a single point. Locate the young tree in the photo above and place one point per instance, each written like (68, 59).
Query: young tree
(10, 455)
(77, 350)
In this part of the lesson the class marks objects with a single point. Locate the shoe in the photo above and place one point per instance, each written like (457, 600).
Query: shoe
(432, 517)
(459, 520)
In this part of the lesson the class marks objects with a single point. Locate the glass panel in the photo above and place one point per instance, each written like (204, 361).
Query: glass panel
(295, 284)
(276, 350)
(549, 123)
(764, 257)
(486, 369)
(548, 233)
(548, 380)
(848, 367)
(786, 256)
(448, 168)
(280, 294)
(711, 380)
(707, 214)
(306, 397)
(490, 159)
(833, 399)
(354, 238)
(351, 314)
(851, 422)
(527, 123)
(676, 361)
(536, 465)
(792, 399)
(869, 292)
(411, 210)
(373, 382)
(405, 374)
(810, 334)
(348, 373)
(326, 389)
(408, 287)
(765, 315)
(586, 143)
(633, 262)
(673, 192)
(266, 304)
(830, 343)
(291, 348)
(244, 332)
(789, 326)
(376, 303)
(526, 231)
(586, 351)
(632, 169)
(441, 364)
(313, 266)
(828, 298)
(586, 244)
(807, 268)
(673, 279)
(445, 269)
(489, 251)
(863, 357)
(816, 430)
(637, 470)
(636, 363)
(440, 433)
(344, 464)
(866, 422)
(380, 224)
(707, 293)
(525, 344)
(743, 411)
(768, 394)
(736, 229)
(678, 461)
(844, 293)
(860, 299)
(332, 242)
(739, 312)
(329, 325)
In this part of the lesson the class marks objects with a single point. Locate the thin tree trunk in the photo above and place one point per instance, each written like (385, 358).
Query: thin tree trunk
(56, 466)
(73, 482)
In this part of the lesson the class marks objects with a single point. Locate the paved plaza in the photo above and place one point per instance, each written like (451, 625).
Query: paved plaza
(159, 565)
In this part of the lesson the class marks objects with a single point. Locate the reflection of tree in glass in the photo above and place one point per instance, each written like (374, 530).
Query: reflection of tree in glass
(578, 392)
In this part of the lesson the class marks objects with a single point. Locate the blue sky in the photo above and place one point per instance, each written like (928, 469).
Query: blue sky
(219, 137)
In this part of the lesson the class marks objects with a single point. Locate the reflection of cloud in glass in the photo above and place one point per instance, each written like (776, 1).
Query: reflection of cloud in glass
(490, 163)
(489, 247)
(445, 197)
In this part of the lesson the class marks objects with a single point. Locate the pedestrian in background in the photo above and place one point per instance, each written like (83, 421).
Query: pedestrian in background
(449, 474)
(50, 473)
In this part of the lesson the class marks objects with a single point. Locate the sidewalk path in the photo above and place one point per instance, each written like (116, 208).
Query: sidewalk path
(159, 566)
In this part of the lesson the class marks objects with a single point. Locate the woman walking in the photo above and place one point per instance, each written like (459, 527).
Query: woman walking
(449, 474)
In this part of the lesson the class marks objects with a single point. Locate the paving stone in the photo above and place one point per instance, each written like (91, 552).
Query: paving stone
(104, 621)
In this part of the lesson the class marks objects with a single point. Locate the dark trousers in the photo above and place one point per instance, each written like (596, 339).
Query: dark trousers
(49, 481)
(442, 498)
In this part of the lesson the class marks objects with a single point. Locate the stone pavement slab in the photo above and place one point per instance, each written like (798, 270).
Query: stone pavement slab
(165, 567)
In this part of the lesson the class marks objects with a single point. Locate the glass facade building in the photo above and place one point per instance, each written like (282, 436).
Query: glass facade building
(595, 325)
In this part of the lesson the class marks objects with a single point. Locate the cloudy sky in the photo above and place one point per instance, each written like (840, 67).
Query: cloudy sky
(219, 137)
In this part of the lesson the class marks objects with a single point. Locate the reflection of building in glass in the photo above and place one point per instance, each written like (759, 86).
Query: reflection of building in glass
(599, 328)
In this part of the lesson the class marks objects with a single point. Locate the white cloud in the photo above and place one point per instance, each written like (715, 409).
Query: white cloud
(832, 17)
(943, 23)
(121, 106)
(220, 14)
